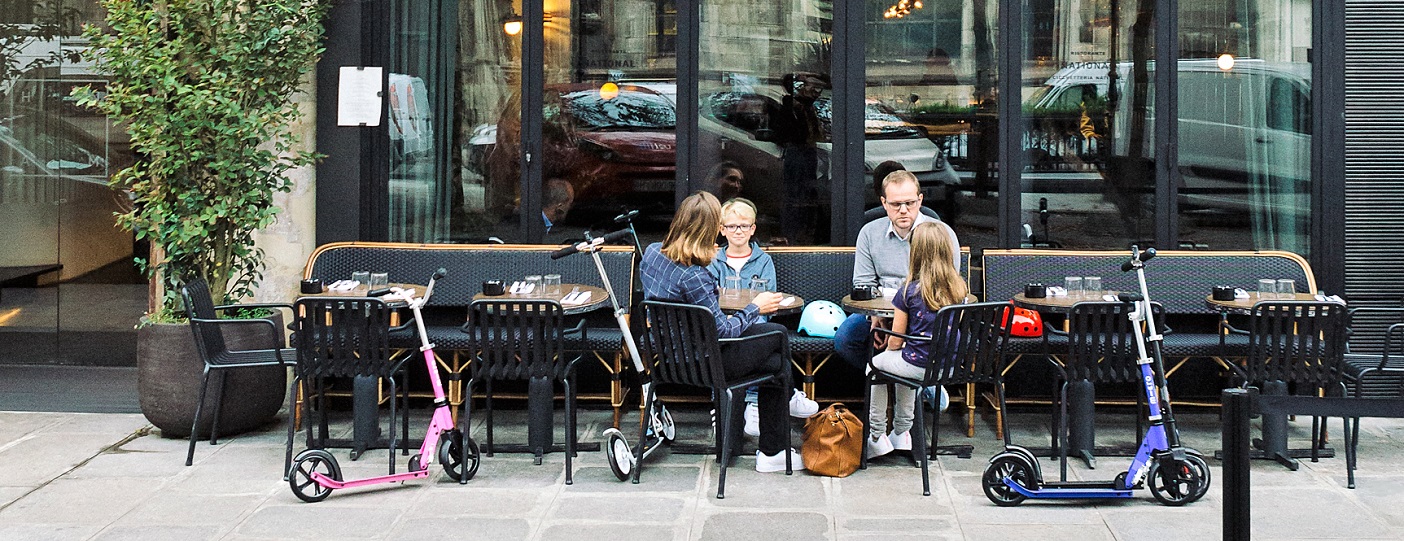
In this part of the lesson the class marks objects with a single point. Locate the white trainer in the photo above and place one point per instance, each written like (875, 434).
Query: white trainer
(901, 442)
(767, 463)
(879, 446)
(801, 406)
(752, 417)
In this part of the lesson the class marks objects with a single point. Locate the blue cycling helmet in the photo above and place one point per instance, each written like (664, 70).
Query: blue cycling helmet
(821, 318)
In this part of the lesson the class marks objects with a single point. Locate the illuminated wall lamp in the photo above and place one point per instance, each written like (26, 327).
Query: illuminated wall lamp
(512, 23)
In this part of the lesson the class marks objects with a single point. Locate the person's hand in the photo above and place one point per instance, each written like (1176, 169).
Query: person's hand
(879, 340)
(767, 302)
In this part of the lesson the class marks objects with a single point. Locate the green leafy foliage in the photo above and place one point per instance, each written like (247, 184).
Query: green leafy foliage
(205, 88)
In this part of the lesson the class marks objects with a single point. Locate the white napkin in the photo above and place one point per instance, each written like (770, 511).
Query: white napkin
(521, 288)
(343, 285)
(576, 298)
(889, 292)
(1240, 293)
(1056, 291)
(1110, 297)
(1330, 298)
(787, 301)
(397, 294)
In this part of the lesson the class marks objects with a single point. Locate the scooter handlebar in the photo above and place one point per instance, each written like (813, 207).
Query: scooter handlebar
(1144, 256)
(589, 244)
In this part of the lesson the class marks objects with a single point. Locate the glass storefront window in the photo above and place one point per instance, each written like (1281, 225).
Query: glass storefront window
(1089, 132)
(931, 83)
(1245, 125)
(765, 116)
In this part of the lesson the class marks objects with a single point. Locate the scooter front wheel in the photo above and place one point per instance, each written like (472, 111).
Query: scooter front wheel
(300, 478)
(451, 456)
(665, 421)
(1014, 468)
(1184, 482)
(619, 453)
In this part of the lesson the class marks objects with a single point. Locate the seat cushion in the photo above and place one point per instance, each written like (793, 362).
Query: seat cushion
(1188, 344)
(444, 337)
(600, 339)
(809, 345)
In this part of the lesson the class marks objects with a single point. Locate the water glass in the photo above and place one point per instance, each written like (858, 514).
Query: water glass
(759, 284)
(533, 285)
(731, 287)
(1073, 284)
(1093, 284)
(379, 280)
(1267, 288)
(362, 278)
(552, 283)
(1286, 289)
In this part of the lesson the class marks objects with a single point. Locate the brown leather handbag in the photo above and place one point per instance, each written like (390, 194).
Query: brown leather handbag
(833, 442)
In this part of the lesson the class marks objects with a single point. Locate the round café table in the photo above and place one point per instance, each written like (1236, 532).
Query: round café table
(879, 307)
(1244, 306)
(598, 298)
(1061, 304)
(789, 304)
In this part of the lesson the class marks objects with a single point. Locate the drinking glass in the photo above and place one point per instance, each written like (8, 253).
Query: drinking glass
(1286, 289)
(1093, 284)
(1074, 285)
(552, 283)
(379, 280)
(731, 287)
(533, 285)
(1267, 288)
(759, 284)
(362, 278)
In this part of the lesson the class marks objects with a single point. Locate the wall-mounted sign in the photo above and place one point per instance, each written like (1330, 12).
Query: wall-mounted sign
(359, 95)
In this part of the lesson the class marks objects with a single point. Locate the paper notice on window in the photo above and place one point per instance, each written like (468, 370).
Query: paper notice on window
(359, 95)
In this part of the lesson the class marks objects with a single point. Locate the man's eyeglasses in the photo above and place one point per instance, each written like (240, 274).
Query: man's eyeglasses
(903, 205)
(738, 227)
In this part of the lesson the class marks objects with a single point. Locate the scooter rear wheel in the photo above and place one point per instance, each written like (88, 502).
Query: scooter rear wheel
(451, 456)
(300, 478)
(1186, 482)
(665, 420)
(619, 453)
(1013, 467)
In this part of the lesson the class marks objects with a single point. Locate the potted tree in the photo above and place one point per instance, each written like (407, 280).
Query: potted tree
(205, 88)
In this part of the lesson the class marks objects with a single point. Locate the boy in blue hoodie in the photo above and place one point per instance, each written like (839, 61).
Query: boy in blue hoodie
(743, 257)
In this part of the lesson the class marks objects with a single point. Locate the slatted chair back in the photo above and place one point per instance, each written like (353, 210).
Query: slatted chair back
(968, 345)
(1296, 341)
(682, 341)
(1101, 342)
(517, 339)
(209, 339)
(342, 337)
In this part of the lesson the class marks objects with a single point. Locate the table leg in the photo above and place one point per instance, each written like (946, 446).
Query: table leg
(365, 406)
(540, 406)
(1082, 434)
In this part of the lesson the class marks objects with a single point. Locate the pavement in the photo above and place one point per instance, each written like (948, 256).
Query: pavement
(112, 476)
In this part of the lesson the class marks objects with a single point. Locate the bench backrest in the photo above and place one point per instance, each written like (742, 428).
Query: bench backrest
(1178, 279)
(824, 272)
(468, 266)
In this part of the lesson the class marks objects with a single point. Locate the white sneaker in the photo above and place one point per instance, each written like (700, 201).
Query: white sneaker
(767, 463)
(901, 442)
(752, 416)
(879, 446)
(801, 406)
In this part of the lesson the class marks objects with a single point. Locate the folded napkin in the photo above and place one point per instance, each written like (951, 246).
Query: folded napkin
(521, 288)
(343, 285)
(1240, 293)
(889, 292)
(578, 297)
(1330, 298)
(788, 300)
(397, 294)
(1055, 291)
(1110, 297)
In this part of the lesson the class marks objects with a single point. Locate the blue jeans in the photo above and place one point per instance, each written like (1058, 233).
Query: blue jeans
(853, 341)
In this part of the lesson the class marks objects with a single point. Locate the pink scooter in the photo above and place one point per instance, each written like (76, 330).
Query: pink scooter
(315, 473)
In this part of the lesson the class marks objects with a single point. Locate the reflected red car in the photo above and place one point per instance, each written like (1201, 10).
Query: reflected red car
(615, 147)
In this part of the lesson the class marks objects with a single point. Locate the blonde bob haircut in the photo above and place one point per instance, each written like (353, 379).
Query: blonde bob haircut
(930, 266)
(691, 239)
(739, 207)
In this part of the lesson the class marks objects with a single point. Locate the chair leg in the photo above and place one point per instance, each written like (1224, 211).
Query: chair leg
(645, 410)
(295, 405)
(1003, 422)
(867, 423)
(923, 454)
(394, 440)
(404, 414)
(219, 401)
(970, 403)
(466, 421)
(487, 411)
(195, 425)
(1352, 435)
(724, 424)
(570, 429)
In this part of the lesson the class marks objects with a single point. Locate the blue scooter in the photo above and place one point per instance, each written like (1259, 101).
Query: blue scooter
(1176, 475)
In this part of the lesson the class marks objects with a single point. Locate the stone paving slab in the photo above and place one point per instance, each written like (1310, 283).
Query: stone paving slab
(82, 476)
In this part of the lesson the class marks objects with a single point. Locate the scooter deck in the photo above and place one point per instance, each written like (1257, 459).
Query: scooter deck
(1072, 490)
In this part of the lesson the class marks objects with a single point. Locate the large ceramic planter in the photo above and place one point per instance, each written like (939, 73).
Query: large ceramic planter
(168, 381)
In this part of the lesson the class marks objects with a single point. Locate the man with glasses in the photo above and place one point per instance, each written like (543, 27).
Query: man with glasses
(881, 259)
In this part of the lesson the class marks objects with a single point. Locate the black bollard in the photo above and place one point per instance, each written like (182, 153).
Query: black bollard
(1237, 407)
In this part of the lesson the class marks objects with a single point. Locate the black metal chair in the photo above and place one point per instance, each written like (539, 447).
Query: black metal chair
(1101, 348)
(215, 353)
(971, 350)
(514, 339)
(344, 337)
(1373, 364)
(682, 341)
(1295, 342)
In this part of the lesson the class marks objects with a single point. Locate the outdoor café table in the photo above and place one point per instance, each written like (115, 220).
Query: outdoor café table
(540, 394)
(879, 307)
(789, 304)
(1082, 395)
(365, 390)
(1274, 441)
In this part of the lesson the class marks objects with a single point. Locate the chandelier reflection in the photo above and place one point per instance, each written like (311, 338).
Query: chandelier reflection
(901, 9)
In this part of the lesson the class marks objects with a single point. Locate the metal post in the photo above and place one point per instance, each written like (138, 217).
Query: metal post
(1237, 406)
